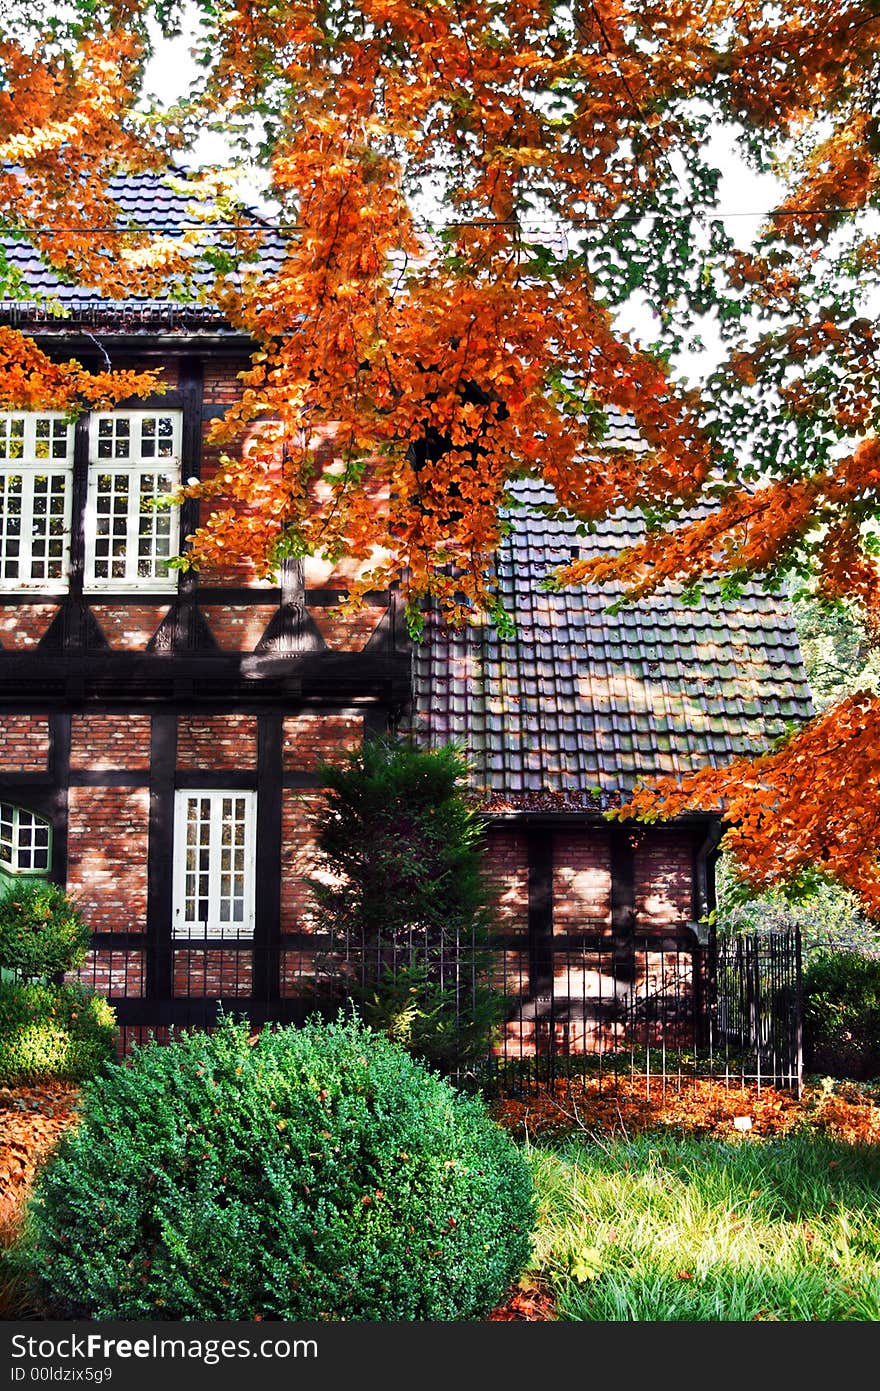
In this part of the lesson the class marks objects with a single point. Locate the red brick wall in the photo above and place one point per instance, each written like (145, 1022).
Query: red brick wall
(216, 741)
(107, 856)
(221, 384)
(210, 974)
(238, 628)
(110, 741)
(581, 880)
(297, 857)
(115, 973)
(505, 864)
(129, 627)
(235, 571)
(297, 974)
(24, 743)
(23, 625)
(308, 738)
(664, 879)
(509, 971)
(320, 573)
(349, 633)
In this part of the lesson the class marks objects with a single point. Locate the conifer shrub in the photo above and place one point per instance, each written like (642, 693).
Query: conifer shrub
(314, 1173)
(62, 1033)
(404, 896)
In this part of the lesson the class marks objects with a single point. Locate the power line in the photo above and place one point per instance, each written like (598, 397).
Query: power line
(531, 224)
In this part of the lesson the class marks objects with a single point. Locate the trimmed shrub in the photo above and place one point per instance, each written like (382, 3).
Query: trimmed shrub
(314, 1173)
(41, 932)
(53, 1032)
(842, 1015)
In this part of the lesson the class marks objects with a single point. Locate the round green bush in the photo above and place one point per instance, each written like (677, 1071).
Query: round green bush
(53, 1033)
(842, 1015)
(41, 932)
(314, 1173)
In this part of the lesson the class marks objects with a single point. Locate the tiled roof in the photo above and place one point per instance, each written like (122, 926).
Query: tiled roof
(581, 704)
(147, 202)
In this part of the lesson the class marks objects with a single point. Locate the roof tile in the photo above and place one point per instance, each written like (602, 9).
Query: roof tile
(585, 698)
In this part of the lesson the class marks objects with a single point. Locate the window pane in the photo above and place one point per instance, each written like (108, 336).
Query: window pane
(145, 536)
(197, 880)
(154, 541)
(25, 840)
(7, 834)
(61, 439)
(215, 880)
(110, 491)
(48, 531)
(11, 485)
(12, 437)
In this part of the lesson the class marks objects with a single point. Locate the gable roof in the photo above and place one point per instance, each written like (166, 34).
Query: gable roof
(150, 202)
(580, 704)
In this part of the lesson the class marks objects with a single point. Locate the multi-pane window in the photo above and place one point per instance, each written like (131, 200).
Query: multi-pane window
(36, 462)
(214, 838)
(25, 841)
(131, 529)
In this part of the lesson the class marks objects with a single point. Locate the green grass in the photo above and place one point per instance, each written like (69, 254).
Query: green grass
(664, 1228)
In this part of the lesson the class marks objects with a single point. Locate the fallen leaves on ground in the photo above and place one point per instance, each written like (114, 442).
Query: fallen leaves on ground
(32, 1119)
(530, 1302)
(592, 1105)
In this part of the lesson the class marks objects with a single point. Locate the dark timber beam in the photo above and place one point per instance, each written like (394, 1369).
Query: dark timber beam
(623, 904)
(267, 918)
(623, 885)
(160, 858)
(59, 767)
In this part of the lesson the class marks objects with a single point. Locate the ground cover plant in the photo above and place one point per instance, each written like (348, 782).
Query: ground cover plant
(302, 1173)
(53, 1032)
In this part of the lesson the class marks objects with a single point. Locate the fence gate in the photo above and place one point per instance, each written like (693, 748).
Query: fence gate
(757, 1013)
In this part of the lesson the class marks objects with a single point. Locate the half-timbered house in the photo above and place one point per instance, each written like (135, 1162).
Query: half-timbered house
(159, 730)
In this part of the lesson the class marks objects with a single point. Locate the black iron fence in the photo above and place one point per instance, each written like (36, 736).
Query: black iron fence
(757, 1012)
(508, 1009)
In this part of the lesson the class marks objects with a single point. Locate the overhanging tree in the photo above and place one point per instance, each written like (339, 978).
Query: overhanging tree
(469, 192)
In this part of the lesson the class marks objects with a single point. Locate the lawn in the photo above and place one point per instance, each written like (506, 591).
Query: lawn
(676, 1227)
(702, 1204)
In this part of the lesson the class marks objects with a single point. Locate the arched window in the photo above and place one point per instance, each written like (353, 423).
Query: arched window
(25, 841)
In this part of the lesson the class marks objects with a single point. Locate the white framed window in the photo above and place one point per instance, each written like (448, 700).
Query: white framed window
(214, 864)
(134, 464)
(36, 470)
(25, 841)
